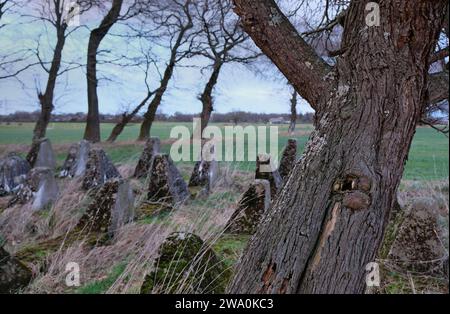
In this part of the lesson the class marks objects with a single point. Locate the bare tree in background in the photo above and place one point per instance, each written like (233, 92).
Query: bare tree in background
(223, 42)
(328, 221)
(92, 131)
(13, 63)
(5, 5)
(127, 117)
(58, 14)
(174, 24)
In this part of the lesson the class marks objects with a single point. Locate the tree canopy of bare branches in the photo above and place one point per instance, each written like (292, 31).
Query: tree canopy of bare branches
(113, 15)
(172, 23)
(222, 41)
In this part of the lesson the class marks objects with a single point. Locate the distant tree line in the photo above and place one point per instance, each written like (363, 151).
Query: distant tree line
(230, 117)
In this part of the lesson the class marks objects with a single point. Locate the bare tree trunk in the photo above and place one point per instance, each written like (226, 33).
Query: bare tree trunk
(118, 128)
(293, 112)
(328, 221)
(206, 97)
(92, 131)
(46, 99)
(149, 116)
(126, 118)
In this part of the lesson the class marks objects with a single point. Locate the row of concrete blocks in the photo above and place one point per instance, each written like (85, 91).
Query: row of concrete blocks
(113, 203)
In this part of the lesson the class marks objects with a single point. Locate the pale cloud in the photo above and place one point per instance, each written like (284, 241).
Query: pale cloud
(239, 88)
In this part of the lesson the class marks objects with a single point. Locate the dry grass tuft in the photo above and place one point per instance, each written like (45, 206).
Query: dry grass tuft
(135, 245)
(396, 280)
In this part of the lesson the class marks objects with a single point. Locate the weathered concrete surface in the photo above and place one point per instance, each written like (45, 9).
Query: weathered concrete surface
(13, 171)
(99, 169)
(206, 171)
(288, 158)
(123, 210)
(265, 170)
(70, 161)
(111, 208)
(250, 209)
(166, 185)
(13, 274)
(40, 187)
(46, 156)
(185, 265)
(76, 161)
(152, 147)
(417, 245)
(47, 191)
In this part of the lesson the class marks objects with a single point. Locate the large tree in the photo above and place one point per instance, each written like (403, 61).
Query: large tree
(59, 14)
(223, 41)
(92, 131)
(328, 221)
(173, 24)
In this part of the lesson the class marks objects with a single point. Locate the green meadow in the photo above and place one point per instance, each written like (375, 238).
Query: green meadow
(428, 158)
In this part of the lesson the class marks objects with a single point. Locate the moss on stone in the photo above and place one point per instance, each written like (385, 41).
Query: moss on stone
(150, 210)
(229, 248)
(185, 265)
(38, 253)
(395, 221)
(13, 274)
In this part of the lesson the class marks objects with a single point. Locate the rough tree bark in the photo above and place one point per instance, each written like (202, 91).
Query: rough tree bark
(328, 221)
(46, 99)
(293, 112)
(206, 96)
(92, 131)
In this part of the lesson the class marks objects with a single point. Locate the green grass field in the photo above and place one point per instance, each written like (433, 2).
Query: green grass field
(428, 159)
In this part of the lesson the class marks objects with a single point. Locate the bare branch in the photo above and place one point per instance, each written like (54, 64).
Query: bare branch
(307, 71)
(438, 87)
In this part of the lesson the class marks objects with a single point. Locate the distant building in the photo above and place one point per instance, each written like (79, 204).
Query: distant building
(278, 120)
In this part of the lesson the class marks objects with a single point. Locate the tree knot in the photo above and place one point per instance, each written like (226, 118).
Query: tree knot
(356, 191)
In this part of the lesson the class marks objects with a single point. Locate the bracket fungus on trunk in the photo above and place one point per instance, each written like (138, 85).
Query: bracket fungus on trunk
(355, 191)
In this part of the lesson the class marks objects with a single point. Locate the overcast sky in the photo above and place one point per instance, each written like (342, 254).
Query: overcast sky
(239, 87)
